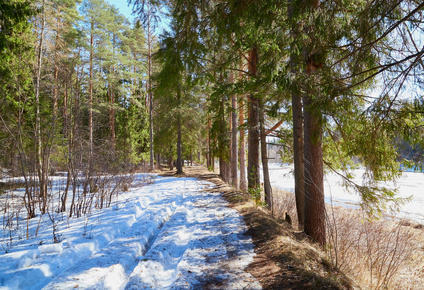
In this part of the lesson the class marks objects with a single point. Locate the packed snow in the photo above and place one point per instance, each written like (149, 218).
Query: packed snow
(410, 185)
(173, 234)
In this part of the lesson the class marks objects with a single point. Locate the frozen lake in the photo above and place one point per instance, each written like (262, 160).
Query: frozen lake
(411, 184)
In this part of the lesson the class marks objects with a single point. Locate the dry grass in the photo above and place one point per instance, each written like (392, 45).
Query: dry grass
(388, 253)
(284, 203)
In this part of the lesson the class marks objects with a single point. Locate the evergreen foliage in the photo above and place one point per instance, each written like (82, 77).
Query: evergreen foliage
(82, 93)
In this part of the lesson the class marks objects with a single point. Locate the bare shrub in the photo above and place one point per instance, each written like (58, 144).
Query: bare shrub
(125, 182)
(148, 179)
(89, 227)
(143, 179)
(374, 252)
(10, 207)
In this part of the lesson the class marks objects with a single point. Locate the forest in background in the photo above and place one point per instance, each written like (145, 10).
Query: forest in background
(86, 92)
(89, 95)
(73, 94)
(339, 83)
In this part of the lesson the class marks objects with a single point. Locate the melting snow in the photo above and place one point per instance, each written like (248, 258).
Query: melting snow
(410, 185)
(169, 235)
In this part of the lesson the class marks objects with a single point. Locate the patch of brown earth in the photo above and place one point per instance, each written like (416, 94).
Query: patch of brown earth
(285, 259)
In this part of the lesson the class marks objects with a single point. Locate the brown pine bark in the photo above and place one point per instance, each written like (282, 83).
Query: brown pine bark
(179, 153)
(253, 129)
(242, 147)
(224, 166)
(149, 83)
(208, 144)
(264, 155)
(314, 177)
(67, 136)
(111, 106)
(299, 170)
(90, 101)
(234, 143)
(111, 119)
(314, 172)
(71, 149)
(179, 143)
(39, 156)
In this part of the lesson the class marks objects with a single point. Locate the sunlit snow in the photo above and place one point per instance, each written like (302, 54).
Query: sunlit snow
(411, 184)
(168, 235)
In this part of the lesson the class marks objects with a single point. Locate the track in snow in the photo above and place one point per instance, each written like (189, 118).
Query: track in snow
(169, 235)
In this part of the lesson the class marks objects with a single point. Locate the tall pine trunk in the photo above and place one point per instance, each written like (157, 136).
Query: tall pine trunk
(112, 119)
(242, 146)
(264, 155)
(314, 172)
(234, 143)
(179, 141)
(224, 166)
(208, 144)
(90, 102)
(112, 104)
(149, 76)
(314, 175)
(40, 159)
(71, 161)
(66, 136)
(299, 170)
(179, 149)
(253, 122)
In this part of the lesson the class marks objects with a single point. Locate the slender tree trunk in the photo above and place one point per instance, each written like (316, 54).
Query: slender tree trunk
(113, 122)
(90, 102)
(179, 149)
(110, 115)
(38, 141)
(264, 155)
(149, 72)
(253, 138)
(314, 172)
(56, 88)
(242, 147)
(224, 169)
(66, 134)
(234, 143)
(112, 102)
(71, 161)
(112, 133)
(208, 144)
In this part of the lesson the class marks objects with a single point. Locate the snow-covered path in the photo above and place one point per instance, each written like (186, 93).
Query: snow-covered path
(169, 235)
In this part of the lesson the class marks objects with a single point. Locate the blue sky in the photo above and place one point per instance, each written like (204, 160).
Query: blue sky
(123, 7)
